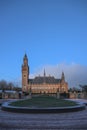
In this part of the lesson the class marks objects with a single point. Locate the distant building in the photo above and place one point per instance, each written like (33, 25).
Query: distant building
(42, 84)
(9, 94)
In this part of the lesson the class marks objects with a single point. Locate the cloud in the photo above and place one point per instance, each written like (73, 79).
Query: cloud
(75, 74)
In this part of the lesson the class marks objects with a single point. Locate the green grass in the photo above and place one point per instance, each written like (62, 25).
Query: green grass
(43, 101)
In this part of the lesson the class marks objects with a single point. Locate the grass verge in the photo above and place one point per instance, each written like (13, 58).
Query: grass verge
(43, 101)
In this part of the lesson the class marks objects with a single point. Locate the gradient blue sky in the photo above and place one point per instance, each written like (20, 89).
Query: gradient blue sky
(51, 32)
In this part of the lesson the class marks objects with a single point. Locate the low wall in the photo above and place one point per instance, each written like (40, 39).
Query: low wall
(7, 107)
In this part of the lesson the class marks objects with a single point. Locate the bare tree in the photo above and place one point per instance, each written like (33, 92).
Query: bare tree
(84, 88)
(3, 85)
(10, 86)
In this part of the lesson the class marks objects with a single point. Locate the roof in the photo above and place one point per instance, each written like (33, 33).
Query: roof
(10, 91)
(47, 79)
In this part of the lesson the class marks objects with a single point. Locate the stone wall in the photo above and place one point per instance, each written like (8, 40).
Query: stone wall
(10, 95)
(74, 95)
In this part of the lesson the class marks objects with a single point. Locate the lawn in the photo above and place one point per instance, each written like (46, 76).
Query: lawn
(43, 101)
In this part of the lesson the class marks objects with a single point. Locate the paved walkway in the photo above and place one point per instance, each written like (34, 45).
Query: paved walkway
(5, 100)
(62, 121)
(80, 100)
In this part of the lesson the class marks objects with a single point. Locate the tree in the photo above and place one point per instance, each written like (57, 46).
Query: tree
(10, 86)
(74, 89)
(17, 89)
(84, 88)
(3, 85)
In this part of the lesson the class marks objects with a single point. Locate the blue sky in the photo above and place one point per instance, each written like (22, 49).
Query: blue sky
(51, 32)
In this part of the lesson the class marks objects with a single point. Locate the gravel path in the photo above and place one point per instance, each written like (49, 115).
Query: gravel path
(62, 121)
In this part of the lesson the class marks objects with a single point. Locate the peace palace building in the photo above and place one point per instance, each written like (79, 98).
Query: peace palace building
(42, 84)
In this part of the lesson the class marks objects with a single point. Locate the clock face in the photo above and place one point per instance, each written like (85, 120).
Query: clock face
(24, 76)
(24, 69)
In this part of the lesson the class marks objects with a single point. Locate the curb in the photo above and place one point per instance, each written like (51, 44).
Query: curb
(6, 107)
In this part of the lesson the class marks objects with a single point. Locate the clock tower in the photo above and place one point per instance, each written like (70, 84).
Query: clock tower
(25, 74)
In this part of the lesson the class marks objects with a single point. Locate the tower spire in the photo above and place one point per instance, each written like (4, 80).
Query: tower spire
(44, 73)
(25, 59)
(63, 76)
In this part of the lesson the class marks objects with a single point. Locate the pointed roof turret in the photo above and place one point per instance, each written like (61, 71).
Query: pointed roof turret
(44, 73)
(63, 76)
